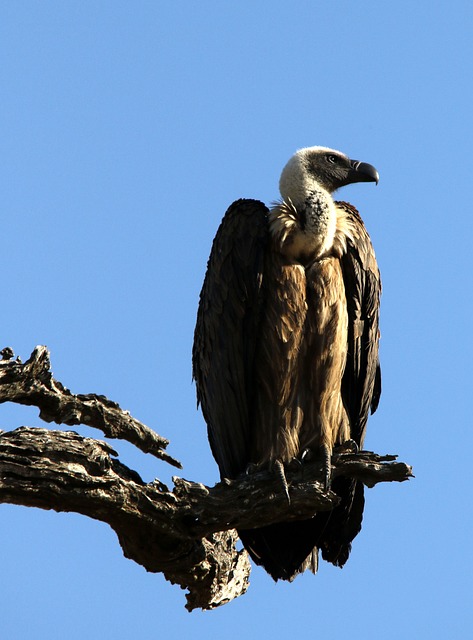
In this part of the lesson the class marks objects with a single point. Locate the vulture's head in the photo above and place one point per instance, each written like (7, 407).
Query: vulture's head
(313, 168)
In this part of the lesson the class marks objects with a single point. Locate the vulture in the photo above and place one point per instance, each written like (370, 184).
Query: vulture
(285, 354)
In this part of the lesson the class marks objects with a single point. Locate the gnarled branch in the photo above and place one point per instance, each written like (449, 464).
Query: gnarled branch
(32, 383)
(188, 533)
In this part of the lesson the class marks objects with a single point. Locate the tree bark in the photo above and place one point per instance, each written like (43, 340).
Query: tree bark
(187, 533)
(32, 383)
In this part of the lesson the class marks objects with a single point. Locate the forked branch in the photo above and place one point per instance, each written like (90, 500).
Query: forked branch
(32, 383)
(188, 533)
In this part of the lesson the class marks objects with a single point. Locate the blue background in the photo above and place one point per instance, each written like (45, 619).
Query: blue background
(127, 128)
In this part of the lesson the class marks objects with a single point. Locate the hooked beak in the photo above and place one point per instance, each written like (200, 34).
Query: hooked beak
(362, 172)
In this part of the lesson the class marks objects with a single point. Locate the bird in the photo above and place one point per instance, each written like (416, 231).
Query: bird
(285, 354)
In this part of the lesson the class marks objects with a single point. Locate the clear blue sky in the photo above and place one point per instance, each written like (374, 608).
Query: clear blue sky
(127, 128)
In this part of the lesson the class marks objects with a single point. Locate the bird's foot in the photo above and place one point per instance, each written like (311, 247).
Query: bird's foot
(279, 468)
(349, 446)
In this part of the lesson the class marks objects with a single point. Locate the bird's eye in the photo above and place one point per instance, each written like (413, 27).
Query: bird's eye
(332, 159)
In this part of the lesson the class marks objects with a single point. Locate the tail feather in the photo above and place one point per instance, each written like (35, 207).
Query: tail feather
(284, 550)
(344, 522)
(287, 549)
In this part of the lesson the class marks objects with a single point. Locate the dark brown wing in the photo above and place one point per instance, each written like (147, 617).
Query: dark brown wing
(361, 385)
(226, 332)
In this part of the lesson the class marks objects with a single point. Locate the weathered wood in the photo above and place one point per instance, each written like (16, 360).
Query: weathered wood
(32, 383)
(187, 533)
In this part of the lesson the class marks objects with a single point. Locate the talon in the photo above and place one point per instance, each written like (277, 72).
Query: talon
(279, 467)
(349, 446)
(326, 465)
(306, 455)
(299, 461)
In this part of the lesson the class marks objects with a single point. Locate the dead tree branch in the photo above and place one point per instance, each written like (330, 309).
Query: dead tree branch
(187, 533)
(32, 383)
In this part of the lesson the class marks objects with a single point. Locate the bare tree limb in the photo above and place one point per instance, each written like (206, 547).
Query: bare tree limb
(188, 533)
(32, 383)
(66, 472)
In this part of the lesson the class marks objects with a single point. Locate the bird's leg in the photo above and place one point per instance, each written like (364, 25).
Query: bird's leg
(279, 467)
(326, 454)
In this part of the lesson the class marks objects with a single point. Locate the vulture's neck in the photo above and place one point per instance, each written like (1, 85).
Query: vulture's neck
(304, 230)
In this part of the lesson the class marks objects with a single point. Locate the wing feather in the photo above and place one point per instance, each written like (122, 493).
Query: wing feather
(225, 337)
(361, 384)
